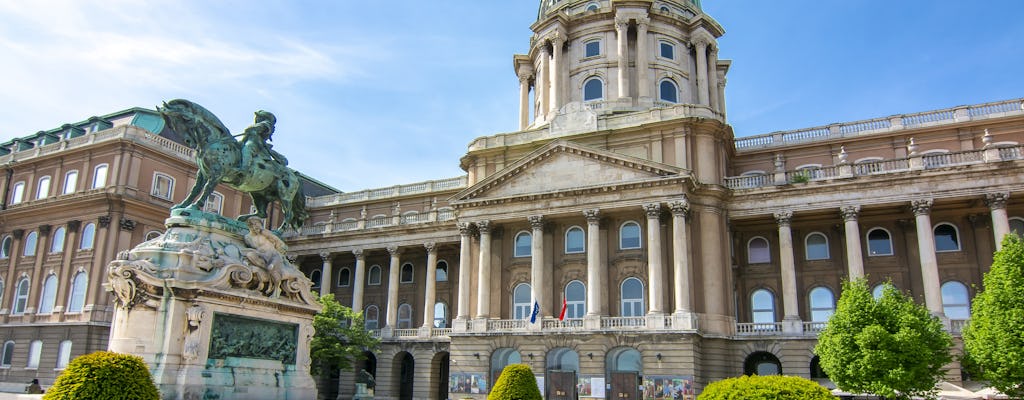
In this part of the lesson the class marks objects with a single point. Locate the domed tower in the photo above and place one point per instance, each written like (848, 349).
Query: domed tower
(615, 56)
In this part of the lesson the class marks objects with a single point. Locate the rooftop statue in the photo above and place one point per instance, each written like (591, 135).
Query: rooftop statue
(249, 165)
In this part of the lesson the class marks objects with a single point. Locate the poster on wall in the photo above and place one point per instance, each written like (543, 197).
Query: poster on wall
(467, 382)
(540, 384)
(591, 386)
(668, 388)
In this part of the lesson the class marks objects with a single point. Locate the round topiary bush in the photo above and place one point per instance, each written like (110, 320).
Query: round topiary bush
(104, 375)
(772, 387)
(515, 383)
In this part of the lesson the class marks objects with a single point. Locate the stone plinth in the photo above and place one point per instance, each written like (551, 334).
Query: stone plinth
(215, 312)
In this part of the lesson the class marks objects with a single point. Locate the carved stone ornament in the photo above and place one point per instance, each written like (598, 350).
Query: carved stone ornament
(536, 221)
(921, 207)
(783, 218)
(849, 213)
(127, 224)
(193, 338)
(104, 221)
(358, 253)
(997, 201)
(681, 207)
(593, 216)
(45, 229)
(653, 210)
(464, 228)
(74, 225)
(483, 226)
(431, 247)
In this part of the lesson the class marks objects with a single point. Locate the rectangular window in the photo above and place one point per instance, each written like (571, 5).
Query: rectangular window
(668, 50)
(18, 194)
(592, 48)
(163, 186)
(44, 188)
(64, 354)
(70, 182)
(99, 177)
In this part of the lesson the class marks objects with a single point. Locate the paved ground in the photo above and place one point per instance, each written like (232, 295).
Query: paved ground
(16, 396)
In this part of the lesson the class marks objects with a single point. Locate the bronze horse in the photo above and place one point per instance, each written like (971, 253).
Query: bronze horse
(219, 157)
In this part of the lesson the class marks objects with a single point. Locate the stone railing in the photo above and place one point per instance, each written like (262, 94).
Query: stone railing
(956, 326)
(758, 328)
(810, 328)
(882, 125)
(123, 132)
(441, 215)
(389, 192)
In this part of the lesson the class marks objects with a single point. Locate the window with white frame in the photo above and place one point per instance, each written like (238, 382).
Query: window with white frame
(758, 251)
(373, 278)
(18, 193)
(5, 247)
(214, 203)
(523, 245)
(78, 287)
(370, 317)
(575, 300)
(43, 188)
(99, 176)
(3, 287)
(632, 295)
(344, 277)
(153, 235)
(440, 315)
(762, 306)
(667, 50)
(1017, 226)
(406, 273)
(405, 316)
(163, 186)
(31, 241)
(48, 297)
(88, 236)
(823, 304)
(57, 245)
(8, 354)
(592, 7)
(629, 235)
(816, 246)
(946, 238)
(63, 354)
(956, 302)
(668, 91)
(575, 240)
(521, 301)
(315, 277)
(879, 242)
(879, 290)
(70, 182)
(35, 350)
(592, 48)
(593, 89)
(442, 271)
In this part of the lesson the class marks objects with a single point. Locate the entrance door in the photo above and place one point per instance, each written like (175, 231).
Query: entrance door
(407, 377)
(561, 385)
(624, 386)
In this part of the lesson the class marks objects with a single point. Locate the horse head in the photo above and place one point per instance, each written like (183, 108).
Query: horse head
(195, 124)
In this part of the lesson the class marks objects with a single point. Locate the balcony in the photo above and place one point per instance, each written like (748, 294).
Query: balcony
(811, 329)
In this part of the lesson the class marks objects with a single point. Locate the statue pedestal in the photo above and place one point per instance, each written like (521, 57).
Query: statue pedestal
(208, 319)
(362, 392)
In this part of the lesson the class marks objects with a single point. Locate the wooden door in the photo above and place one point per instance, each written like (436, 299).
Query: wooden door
(561, 385)
(624, 386)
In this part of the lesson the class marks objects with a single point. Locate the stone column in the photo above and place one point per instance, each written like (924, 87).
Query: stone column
(537, 262)
(594, 282)
(464, 265)
(622, 37)
(430, 292)
(713, 76)
(524, 101)
(358, 281)
(556, 74)
(541, 89)
(926, 248)
(325, 273)
(996, 202)
(854, 255)
(393, 269)
(642, 57)
(655, 269)
(681, 255)
(701, 47)
(788, 267)
(483, 292)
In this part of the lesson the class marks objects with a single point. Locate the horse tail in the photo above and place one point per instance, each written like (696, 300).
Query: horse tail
(299, 213)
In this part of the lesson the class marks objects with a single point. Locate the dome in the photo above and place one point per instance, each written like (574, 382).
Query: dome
(547, 6)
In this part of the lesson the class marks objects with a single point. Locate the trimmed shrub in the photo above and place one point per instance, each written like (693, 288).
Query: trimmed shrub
(515, 383)
(771, 387)
(104, 375)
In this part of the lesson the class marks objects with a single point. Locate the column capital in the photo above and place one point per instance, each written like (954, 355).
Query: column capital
(18, 233)
(921, 207)
(104, 221)
(536, 221)
(358, 253)
(73, 225)
(849, 213)
(431, 247)
(643, 22)
(544, 51)
(681, 207)
(783, 218)
(44, 229)
(464, 228)
(394, 250)
(621, 23)
(701, 44)
(997, 201)
(557, 39)
(653, 210)
(483, 226)
(593, 216)
(525, 77)
(325, 256)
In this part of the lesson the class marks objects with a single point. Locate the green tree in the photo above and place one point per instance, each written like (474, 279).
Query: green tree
(891, 347)
(772, 387)
(104, 375)
(994, 338)
(340, 338)
(515, 383)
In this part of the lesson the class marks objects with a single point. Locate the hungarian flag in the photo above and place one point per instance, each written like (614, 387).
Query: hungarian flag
(565, 305)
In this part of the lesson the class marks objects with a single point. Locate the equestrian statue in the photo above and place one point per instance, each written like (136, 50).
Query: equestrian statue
(249, 165)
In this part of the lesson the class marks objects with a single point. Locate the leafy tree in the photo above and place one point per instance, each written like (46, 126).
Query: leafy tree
(994, 338)
(515, 383)
(340, 338)
(890, 347)
(104, 375)
(771, 387)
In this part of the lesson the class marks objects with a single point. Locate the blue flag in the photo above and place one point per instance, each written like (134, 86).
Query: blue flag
(536, 310)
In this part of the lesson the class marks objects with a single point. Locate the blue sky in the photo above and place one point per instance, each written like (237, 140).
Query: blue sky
(373, 94)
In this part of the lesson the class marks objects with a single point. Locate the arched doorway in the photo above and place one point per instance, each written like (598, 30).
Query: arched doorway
(562, 366)
(439, 374)
(623, 366)
(405, 371)
(367, 362)
(762, 363)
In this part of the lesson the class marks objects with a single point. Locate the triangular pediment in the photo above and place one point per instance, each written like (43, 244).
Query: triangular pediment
(563, 166)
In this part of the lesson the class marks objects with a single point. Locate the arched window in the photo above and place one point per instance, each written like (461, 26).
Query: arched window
(664, 9)
(593, 89)
(78, 287)
(35, 350)
(956, 303)
(63, 354)
(632, 297)
(502, 358)
(623, 359)
(57, 245)
(5, 247)
(442, 271)
(1017, 225)
(758, 252)
(8, 354)
(667, 50)
(20, 297)
(879, 290)
(163, 186)
(762, 307)
(668, 91)
(404, 316)
(88, 236)
(18, 193)
(574, 240)
(407, 273)
(592, 48)
(70, 182)
(315, 276)
(99, 176)
(344, 277)
(563, 359)
(629, 235)
(762, 363)
(523, 245)
(879, 242)
(153, 235)
(592, 7)
(521, 301)
(43, 189)
(370, 317)
(946, 238)
(214, 203)
(3, 286)
(31, 241)
(816, 245)
(816, 371)
(373, 278)
(49, 295)
(575, 299)
(440, 315)
(823, 304)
